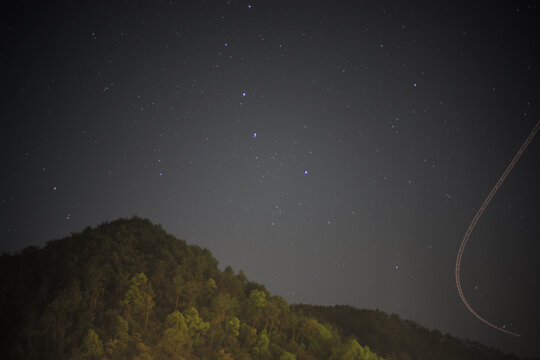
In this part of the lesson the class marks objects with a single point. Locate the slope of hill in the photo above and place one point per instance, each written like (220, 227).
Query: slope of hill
(394, 338)
(128, 290)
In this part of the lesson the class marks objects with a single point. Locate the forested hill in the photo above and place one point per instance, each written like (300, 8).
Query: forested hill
(388, 335)
(129, 290)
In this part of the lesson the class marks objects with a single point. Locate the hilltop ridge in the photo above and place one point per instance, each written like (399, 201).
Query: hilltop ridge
(127, 289)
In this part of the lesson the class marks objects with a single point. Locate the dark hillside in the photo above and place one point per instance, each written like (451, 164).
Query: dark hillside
(128, 290)
(395, 338)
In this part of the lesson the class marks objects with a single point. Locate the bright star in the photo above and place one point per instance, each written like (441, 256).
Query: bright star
(305, 172)
(254, 135)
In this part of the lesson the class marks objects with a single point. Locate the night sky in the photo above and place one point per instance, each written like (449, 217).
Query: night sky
(334, 151)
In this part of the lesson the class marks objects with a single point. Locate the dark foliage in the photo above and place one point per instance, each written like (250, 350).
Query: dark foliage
(394, 338)
(129, 290)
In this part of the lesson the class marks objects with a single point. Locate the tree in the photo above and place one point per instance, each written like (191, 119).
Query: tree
(60, 317)
(196, 328)
(317, 338)
(232, 284)
(223, 306)
(85, 297)
(92, 347)
(222, 310)
(94, 285)
(175, 338)
(255, 305)
(232, 331)
(352, 350)
(211, 288)
(260, 349)
(247, 335)
(138, 301)
(178, 284)
(118, 334)
(283, 313)
(270, 313)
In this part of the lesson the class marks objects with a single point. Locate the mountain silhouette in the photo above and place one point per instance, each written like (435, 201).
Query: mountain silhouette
(129, 290)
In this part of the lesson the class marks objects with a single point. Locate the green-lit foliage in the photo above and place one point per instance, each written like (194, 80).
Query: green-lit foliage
(175, 339)
(397, 339)
(129, 290)
(92, 347)
(351, 350)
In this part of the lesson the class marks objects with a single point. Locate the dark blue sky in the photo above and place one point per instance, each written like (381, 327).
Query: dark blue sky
(334, 151)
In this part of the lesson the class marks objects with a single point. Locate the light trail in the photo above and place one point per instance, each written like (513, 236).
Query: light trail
(475, 220)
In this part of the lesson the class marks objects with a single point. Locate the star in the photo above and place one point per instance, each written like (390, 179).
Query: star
(321, 96)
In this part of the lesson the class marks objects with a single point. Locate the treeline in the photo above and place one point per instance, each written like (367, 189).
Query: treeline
(395, 338)
(129, 290)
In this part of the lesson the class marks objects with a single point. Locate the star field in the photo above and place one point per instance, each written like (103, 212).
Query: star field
(335, 152)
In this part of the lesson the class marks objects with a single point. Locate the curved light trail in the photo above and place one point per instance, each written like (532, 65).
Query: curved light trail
(475, 220)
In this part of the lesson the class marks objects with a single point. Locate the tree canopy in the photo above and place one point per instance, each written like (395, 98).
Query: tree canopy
(128, 290)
